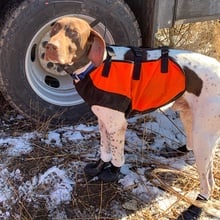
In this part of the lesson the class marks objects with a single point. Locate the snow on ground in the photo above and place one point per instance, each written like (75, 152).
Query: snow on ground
(54, 185)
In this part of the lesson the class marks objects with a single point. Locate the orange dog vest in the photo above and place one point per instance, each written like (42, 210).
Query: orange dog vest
(133, 84)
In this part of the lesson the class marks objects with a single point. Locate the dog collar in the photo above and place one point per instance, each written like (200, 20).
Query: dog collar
(83, 74)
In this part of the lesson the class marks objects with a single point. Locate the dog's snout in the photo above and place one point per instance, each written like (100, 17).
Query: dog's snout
(51, 47)
(51, 53)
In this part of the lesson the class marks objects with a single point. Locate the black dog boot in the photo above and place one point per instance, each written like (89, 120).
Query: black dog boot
(193, 212)
(93, 169)
(109, 174)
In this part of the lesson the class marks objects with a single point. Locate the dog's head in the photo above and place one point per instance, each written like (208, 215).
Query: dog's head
(71, 40)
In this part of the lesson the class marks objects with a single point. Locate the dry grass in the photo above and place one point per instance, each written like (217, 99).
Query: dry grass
(95, 200)
(202, 37)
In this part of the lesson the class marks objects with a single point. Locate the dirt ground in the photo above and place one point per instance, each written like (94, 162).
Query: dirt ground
(92, 199)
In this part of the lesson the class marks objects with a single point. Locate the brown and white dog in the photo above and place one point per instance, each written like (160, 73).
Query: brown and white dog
(74, 42)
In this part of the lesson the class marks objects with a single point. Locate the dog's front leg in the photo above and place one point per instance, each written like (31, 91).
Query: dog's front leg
(105, 148)
(113, 126)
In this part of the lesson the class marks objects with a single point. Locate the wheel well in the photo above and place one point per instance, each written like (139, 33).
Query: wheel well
(144, 13)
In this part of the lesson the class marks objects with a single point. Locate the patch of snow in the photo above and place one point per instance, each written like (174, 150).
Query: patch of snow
(60, 184)
(125, 169)
(85, 128)
(72, 135)
(168, 129)
(53, 138)
(5, 189)
(18, 145)
(165, 202)
(56, 184)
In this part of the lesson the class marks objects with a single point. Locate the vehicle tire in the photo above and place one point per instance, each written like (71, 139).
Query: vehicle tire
(25, 80)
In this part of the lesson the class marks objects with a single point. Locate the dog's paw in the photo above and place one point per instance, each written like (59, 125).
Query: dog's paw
(192, 213)
(109, 174)
(95, 168)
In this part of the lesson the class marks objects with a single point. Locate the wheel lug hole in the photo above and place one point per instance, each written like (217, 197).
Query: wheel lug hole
(43, 56)
(44, 44)
(49, 65)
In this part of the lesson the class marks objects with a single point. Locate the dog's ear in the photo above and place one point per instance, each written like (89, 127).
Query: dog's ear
(97, 50)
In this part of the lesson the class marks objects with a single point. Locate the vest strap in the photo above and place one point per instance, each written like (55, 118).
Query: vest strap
(107, 62)
(138, 52)
(164, 59)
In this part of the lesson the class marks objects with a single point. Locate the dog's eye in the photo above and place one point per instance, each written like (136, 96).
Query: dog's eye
(72, 34)
(55, 29)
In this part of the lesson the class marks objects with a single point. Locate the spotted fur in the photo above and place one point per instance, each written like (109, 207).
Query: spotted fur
(199, 106)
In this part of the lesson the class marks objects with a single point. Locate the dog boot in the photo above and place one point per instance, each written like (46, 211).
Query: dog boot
(193, 212)
(93, 169)
(109, 174)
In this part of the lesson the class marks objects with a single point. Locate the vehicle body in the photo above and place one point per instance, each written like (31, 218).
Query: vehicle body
(32, 85)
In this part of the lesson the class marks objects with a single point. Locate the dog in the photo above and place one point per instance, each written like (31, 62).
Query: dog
(80, 50)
